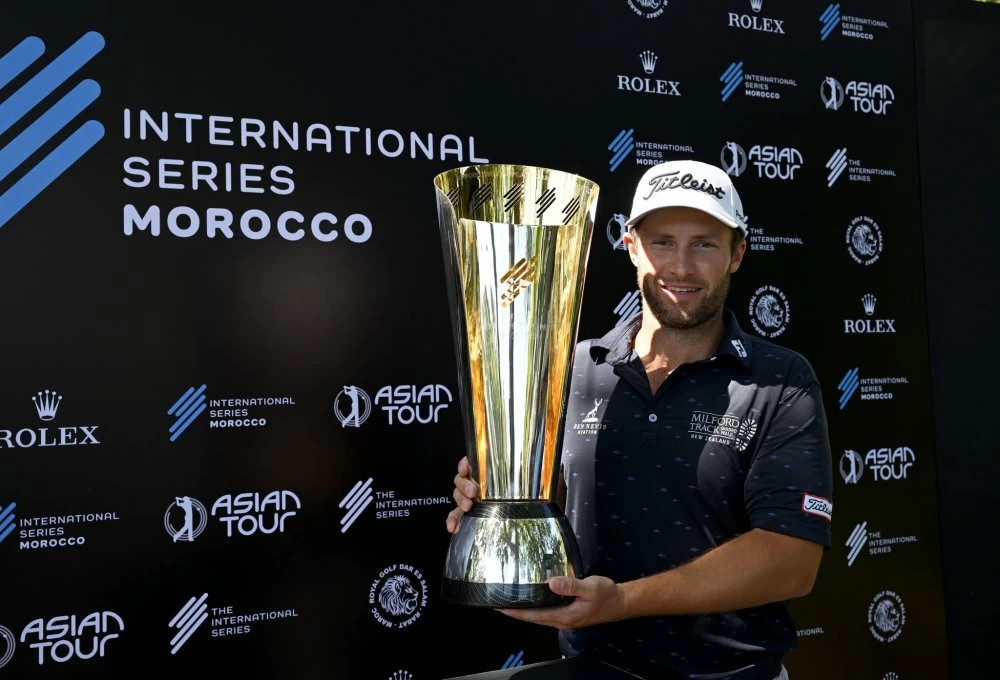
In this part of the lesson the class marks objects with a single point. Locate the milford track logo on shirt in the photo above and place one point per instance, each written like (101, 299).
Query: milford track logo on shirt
(728, 429)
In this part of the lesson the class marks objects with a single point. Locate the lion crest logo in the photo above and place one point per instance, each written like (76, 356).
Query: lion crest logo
(886, 616)
(769, 311)
(398, 597)
(864, 240)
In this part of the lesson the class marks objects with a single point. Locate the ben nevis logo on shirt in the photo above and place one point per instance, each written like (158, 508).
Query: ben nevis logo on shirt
(591, 422)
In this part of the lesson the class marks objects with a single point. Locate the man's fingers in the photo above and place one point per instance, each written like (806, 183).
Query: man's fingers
(454, 517)
(468, 488)
(464, 469)
(461, 500)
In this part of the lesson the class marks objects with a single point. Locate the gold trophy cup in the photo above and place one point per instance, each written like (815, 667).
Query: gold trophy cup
(516, 242)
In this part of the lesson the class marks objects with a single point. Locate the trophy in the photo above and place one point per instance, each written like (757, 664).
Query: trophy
(516, 241)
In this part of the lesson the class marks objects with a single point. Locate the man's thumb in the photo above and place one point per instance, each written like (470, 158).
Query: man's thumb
(563, 585)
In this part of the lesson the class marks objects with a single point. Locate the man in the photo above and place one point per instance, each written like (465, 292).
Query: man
(701, 497)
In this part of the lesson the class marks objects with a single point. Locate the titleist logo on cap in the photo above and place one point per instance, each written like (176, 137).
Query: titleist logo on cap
(670, 180)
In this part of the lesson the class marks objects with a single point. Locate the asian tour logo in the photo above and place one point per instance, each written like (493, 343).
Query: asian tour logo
(617, 230)
(769, 311)
(770, 162)
(245, 514)
(401, 404)
(886, 616)
(47, 406)
(49, 124)
(68, 637)
(398, 596)
(865, 97)
(7, 645)
(185, 519)
(885, 464)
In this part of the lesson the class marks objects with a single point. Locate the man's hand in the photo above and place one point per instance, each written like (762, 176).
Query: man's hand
(466, 491)
(598, 600)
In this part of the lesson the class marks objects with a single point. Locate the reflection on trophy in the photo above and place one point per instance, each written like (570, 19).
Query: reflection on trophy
(516, 242)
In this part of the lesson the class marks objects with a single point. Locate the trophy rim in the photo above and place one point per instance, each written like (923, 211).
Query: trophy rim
(461, 169)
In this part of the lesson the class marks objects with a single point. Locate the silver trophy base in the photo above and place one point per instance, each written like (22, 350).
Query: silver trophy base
(504, 553)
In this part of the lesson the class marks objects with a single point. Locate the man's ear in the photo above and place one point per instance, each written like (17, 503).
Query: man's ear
(631, 241)
(741, 249)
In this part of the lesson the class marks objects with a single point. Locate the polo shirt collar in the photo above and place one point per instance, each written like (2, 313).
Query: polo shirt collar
(615, 347)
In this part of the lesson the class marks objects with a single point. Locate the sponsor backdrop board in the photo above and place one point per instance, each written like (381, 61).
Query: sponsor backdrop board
(228, 425)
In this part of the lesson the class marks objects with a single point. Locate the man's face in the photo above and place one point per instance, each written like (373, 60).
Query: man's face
(683, 259)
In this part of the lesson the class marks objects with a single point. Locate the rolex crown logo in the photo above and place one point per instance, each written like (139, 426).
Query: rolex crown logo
(648, 60)
(47, 404)
(517, 279)
(756, 4)
(869, 303)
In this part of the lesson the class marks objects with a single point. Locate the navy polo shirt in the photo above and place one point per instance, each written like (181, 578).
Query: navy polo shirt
(731, 443)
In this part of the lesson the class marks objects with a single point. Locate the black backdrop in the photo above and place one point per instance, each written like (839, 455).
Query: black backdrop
(121, 322)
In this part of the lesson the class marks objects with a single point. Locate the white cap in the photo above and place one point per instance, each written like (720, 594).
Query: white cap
(690, 184)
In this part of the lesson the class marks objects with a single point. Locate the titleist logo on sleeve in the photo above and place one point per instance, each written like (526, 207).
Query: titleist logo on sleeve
(817, 505)
(670, 180)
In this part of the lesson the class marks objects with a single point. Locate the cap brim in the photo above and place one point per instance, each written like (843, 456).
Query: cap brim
(719, 215)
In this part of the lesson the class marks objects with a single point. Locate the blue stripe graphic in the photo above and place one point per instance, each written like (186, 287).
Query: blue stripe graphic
(187, 409)
(622, 146)
(21, 57)
(729, 71)
(49, 78)
(184, 423)
(7, 523)
(830, 10)
(50, 167)
(181, 403)
(848, 385)
(51, 122)
(514, 661)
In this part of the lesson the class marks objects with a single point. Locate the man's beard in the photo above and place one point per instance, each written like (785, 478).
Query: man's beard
(669, 314)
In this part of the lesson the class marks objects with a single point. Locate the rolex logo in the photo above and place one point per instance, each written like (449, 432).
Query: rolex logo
(756, 4)
(648, 60)
(47, 404)
(517, 279)
(869, 304)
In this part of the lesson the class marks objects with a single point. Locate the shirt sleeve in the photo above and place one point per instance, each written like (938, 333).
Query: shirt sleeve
(789, 486)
